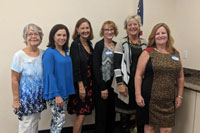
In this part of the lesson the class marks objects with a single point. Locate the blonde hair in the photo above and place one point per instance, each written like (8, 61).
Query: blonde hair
(135, 17)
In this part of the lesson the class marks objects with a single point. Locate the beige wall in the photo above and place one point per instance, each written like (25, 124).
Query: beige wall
(187, 34)
(182, 16)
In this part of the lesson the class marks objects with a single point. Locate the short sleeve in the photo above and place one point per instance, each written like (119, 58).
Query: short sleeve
(17, 62)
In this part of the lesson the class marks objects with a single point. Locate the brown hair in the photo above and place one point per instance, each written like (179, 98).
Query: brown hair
(80, 21)
(170, 41)
(111, 24)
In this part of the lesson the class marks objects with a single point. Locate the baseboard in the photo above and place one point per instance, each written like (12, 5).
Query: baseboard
(70, 129)
(90, 127)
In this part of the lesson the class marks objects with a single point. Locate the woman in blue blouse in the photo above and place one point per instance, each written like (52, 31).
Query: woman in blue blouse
(58, 75)
(27, 80)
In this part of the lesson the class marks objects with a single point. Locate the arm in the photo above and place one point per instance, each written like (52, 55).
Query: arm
(75, 56)
(180, 83)
(118, 53)
(50, 85)
(74, 53)
(97, 63)
(141, 66)
(117, 69)
(15, 89)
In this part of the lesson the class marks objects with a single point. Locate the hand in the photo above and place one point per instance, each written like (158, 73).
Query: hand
(16, 105)
(82, 93)
(140, 101)
(104, 94)
(122, 89)
(178, 102)
(59, 102)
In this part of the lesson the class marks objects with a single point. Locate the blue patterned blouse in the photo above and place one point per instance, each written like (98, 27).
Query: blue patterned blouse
(31, 83)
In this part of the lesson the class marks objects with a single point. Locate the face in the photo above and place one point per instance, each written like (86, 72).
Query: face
(161, 36)
(33, 38)
(84, 30)
(108, 32)
(60, 37)
(133, 27)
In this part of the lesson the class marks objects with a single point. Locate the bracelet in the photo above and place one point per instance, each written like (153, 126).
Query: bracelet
(180, 97)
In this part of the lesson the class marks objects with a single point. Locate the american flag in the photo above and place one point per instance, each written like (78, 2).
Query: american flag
(140, 10)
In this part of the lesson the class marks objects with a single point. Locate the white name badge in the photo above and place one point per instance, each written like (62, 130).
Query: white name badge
(176, 58)
(108, 52)
(67, 52)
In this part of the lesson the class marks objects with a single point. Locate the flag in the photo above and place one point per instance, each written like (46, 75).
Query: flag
(140, 10)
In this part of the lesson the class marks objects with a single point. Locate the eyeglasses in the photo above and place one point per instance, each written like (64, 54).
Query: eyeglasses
(107, 30)
(33, 34)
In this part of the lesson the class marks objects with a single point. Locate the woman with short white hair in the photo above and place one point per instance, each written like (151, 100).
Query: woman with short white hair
(27, 80)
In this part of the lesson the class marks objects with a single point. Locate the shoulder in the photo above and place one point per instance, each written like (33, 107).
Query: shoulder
(123, 41)
(143, 41)
(75, 43)
(19, 54)
(41, 51)
(144, 55)
(114, 42)
(122, 45)
(49, 51)
(100, 43)
(149, 49)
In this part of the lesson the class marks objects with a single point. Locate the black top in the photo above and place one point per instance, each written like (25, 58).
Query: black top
(97, 63)
(79, 58)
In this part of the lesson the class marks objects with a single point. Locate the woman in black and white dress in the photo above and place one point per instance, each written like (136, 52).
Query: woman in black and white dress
(126, 56)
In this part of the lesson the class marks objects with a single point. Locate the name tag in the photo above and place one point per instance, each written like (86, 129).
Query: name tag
(67, 53)
(109, 52)
(28, 60)
(176, 58)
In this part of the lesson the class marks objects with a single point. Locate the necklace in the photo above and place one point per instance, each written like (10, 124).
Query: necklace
(110, 46)
(161, 51)
(137, 41)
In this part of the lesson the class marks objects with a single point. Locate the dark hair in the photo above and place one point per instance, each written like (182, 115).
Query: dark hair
(80, 21)
(52, 34)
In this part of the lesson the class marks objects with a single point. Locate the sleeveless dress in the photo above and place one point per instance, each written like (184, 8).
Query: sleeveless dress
(158, 89)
